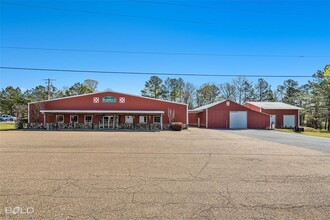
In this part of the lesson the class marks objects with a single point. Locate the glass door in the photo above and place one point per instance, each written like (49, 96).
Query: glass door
(106, 122)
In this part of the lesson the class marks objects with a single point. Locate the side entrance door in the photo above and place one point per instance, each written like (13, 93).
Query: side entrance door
(273, 121)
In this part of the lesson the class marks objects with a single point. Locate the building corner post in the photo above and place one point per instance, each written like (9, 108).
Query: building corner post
(161, 121)
(28, 113)
(207, 118)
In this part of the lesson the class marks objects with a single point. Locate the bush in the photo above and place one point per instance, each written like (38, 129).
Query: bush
(176, 126)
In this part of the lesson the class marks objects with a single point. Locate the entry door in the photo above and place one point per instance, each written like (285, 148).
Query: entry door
(238, 120)
(273, 121)
(106, 121)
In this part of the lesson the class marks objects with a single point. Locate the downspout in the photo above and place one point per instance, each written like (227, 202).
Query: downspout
(187, 117)
(207, 118)
(28, 113)
(44, 118)
(161, 121)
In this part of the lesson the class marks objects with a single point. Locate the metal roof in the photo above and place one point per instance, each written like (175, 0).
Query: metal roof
(103, 111)
(274, 105)
(201, 108)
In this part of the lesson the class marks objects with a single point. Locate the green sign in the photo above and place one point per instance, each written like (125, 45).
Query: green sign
(110, 99)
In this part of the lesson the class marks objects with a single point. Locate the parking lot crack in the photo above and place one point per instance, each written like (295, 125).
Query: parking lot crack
(204, 166)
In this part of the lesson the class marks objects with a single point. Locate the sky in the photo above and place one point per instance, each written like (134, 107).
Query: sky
(250, 37)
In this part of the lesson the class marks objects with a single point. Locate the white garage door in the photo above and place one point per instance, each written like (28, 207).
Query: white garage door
(238, 120)
(289, 121)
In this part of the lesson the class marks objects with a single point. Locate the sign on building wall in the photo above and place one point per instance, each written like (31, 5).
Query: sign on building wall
(96, 100)
(122, 100)
(109, 99)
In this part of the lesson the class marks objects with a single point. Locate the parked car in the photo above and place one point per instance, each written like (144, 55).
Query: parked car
(7, 118)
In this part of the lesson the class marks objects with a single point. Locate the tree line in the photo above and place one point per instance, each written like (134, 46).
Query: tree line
(14, 101)
(313, 97)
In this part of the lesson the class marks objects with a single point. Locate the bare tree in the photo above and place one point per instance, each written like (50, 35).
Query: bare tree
(239, 83)
(228, 91)
(189, 94)
(91, 84)
(36, 108)
(171, 115)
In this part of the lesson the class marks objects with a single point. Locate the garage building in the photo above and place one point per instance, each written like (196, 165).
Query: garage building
(228, 114)
(106, 110)
(282, 115)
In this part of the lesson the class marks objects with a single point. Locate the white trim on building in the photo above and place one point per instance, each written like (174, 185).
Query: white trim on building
(207, 118)
(28, 112)
(60, 122)
(88, 122)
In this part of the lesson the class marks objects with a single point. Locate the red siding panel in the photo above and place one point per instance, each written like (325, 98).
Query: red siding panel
(279, 115)
(218, 116)
(253, 107)
(278, 112)
(257, 120)
(85, 102)
(193, 119)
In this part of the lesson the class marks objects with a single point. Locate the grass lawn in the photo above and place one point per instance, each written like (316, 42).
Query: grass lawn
(311, 133)
(7, 126)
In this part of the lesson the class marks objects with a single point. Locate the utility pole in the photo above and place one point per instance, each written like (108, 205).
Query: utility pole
(48, 86)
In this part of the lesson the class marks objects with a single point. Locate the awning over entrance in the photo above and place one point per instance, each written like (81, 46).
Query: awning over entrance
(106, 119)
(104, 111)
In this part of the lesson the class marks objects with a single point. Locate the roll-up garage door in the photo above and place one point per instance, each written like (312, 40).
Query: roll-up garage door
(238, 119)
(289, 121)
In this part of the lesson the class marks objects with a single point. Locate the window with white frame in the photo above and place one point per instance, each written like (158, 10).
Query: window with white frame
(129, 119)
(74, 118)
(157, 119)
(59, 118)
(143, 119)
(88, 119)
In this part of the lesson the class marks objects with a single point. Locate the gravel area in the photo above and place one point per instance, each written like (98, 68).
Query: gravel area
(192, 174)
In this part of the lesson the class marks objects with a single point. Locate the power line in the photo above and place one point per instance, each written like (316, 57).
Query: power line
(109, 14)
(164, 53)
(174, 4)
(223, 7)
(149, 73)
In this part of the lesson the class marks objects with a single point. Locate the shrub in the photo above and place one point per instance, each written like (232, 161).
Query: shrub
(176, 126)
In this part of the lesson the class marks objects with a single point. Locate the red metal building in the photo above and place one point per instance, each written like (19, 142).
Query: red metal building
(228, 114)
(106, 110)
(282, 115)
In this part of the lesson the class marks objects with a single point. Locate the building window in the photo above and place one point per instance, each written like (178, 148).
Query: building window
(59, 118)
(143, 119)
(88, 119)
(157, 119)
(128, 119)
(74, 118)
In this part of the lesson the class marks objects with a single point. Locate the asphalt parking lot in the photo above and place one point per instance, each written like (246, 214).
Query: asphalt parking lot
(298, 140)
(193, 174)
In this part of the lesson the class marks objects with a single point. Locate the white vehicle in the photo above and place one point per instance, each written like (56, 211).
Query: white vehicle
(7, 118)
